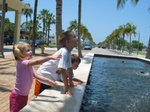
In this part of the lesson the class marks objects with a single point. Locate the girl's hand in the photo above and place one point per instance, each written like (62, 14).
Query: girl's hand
(56, 57)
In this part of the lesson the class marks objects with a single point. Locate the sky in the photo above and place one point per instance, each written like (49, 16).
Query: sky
(100, 17)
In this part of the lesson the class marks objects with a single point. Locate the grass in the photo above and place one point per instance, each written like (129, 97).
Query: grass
(51, 46)
(143, 53)
(140, 53)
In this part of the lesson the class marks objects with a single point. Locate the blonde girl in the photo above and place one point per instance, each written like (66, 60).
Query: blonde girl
(24, 75)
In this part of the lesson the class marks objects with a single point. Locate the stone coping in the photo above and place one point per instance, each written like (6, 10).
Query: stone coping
(54, 100)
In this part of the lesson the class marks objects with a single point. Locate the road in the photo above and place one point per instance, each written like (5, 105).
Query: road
(8, 50)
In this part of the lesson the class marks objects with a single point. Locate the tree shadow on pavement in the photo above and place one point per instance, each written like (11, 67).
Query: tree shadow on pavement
(2, 89)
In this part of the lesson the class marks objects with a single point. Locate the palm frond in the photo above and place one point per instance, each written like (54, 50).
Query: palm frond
(134, 2)
(121, 3)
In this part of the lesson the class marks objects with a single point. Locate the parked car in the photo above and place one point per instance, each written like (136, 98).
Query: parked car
(99, 46)
(38, 43)
(104, 46)
(23, 40)
(87, 47)
(8, 40)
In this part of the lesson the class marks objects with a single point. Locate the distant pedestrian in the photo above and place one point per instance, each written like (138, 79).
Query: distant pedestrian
(24, 75)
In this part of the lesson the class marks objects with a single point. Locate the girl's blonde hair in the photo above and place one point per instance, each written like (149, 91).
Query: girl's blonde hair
(18, 50)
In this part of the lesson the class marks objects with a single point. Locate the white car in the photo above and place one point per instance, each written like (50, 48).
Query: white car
(87, 47)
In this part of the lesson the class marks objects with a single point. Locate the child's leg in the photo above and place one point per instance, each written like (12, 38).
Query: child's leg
(37, 88)
(43, 87)
(17, 102)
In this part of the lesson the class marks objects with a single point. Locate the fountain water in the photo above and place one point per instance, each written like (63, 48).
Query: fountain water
(117, 85)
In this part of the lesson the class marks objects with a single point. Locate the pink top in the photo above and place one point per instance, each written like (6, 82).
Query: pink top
(24, 78)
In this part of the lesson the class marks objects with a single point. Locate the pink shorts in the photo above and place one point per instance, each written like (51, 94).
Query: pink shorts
(17, 102)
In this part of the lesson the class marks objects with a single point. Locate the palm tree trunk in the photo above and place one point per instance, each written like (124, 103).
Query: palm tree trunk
(48, 33)
(79, 23)
(58, 20)
(130, 46)
(44, 30)
(34, 26)
(26, 27)
(148, 50)
(2, 30)
(123, 43)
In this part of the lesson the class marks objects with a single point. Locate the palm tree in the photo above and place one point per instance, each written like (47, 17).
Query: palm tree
(34, 26)
(29, 27)
(58, 20)
(131, 29)
(84, 33)
(50, 20)
(121, 3)
(73, 26)
(116, 34)
(148, 50)
(27, 13)
(43, 16)
(0, 15)
(123, 32)
(79, 27)
(9, 28)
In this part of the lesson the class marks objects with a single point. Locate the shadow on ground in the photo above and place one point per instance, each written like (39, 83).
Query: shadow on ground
(2, 89)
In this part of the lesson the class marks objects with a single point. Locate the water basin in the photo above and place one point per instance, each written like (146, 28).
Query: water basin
(117, 85)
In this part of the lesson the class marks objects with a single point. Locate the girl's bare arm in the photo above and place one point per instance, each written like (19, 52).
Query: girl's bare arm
(44, 79)
(42, 60)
